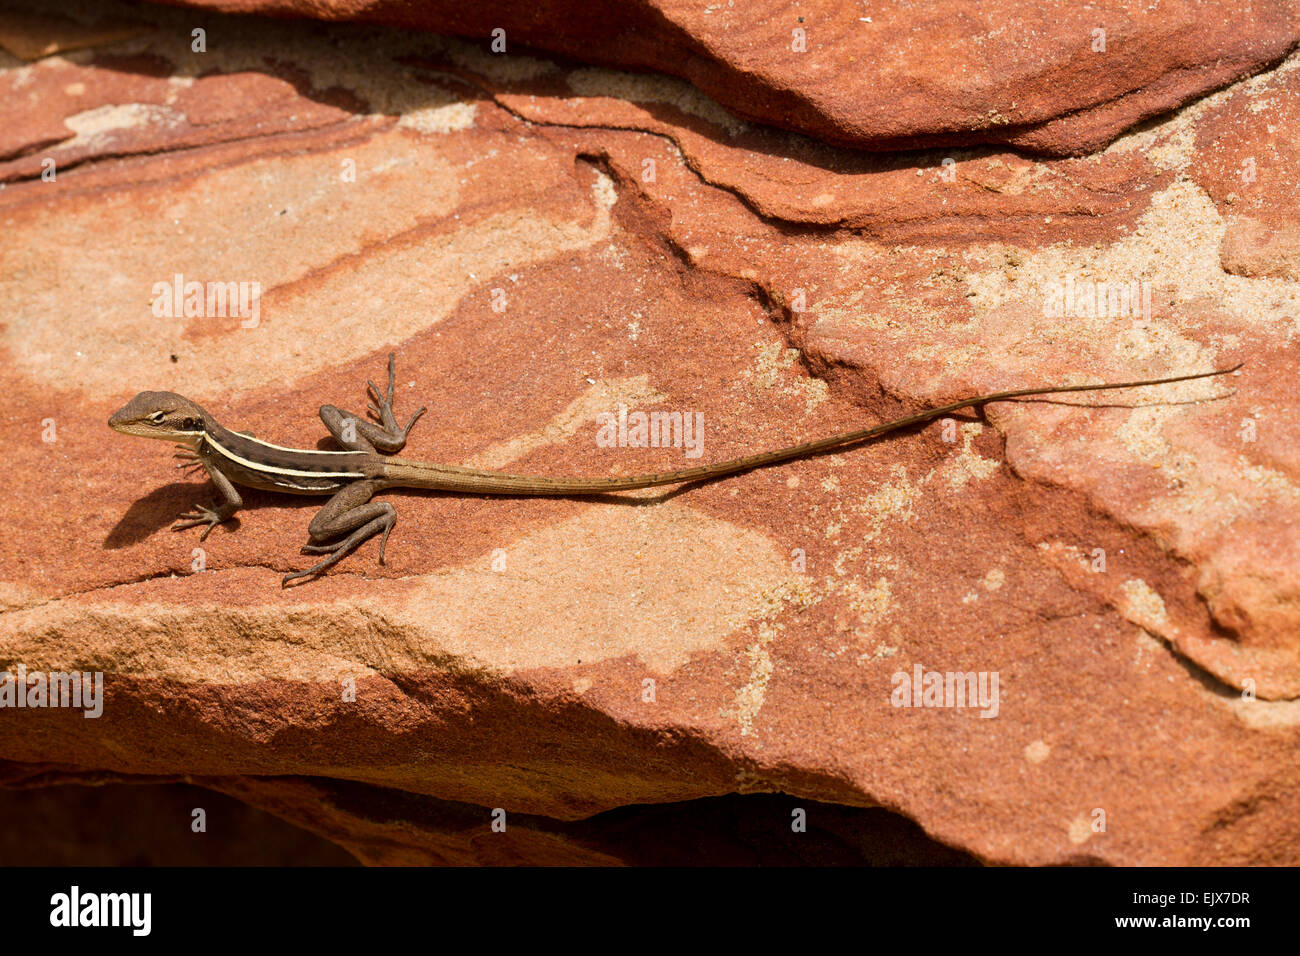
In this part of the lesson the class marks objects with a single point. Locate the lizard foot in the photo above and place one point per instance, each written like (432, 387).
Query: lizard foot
(381, 405)
(337, 552)
(199, 516)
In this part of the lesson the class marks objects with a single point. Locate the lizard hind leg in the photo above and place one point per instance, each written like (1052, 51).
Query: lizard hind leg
(350, 512)
(357, 434)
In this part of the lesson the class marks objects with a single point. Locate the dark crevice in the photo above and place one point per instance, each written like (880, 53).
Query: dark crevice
(59, 811)
(729, 830)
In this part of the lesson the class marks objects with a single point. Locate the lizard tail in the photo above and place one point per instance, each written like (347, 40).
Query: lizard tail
(417, 474)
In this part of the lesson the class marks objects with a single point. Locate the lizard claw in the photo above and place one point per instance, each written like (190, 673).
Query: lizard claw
(414, 418)
(383, 400)
(188, 458)
(200, 515)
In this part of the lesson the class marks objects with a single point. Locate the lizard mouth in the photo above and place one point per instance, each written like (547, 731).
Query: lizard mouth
(128, 427)
(120, 423)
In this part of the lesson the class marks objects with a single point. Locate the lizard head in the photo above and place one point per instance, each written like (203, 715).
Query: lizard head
(162, 415)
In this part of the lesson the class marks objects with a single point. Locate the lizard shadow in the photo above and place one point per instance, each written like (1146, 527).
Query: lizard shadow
(160, 508)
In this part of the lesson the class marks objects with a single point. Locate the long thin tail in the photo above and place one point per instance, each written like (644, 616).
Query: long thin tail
(417, 474)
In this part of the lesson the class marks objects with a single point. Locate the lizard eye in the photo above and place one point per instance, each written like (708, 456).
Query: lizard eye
(157, 417)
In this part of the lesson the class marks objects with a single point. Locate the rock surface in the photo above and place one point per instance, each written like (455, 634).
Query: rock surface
(541, 242)
(1054, 77)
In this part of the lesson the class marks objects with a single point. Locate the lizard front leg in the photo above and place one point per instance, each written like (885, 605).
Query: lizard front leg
(387, 437)
(224, 510)
(349, 510)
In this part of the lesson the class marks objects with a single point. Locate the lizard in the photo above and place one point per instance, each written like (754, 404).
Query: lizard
(368, 463)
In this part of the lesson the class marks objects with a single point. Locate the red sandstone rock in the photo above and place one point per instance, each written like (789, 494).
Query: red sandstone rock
(1127, 570)
(1246, 155)
(1055, 77)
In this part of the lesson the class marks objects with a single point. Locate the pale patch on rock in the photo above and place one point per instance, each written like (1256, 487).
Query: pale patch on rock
(1264, 714)
(92, 126)
(176, 85)
(445, 118)
(657, 583)
(387, 87)
(1080, 830)
(892, 501)
(883, 651)
(1142, 605)
(412, 285)
(14, 595)
(1268, 479)
(1038, 751)
(660, 583)
(749, 782)
(1171, 143)
(1174, 247)
(872, 603)
(969, 464)
(770, 371)
(1141, 434)
(514, 68)
(604, 396)
(751, 695)
(841, 562)
(772, 360)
